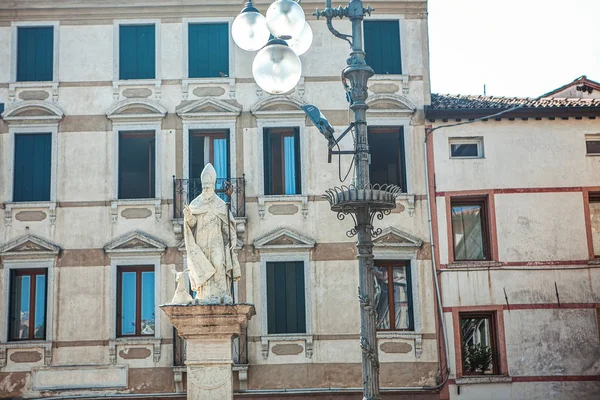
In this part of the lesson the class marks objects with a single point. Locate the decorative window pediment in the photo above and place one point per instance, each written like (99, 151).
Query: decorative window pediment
(135, 242)
(135, 110)
(390, 103)
(30, 246)
(284, 238)
(207, 108)
(31, 111)
(395, 238)
(279, 106)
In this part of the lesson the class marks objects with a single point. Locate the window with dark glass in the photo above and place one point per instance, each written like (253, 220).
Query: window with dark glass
(208, 146)
(35, 53)
(382, 45)
(208, 50)
(135, 297)
(27, 307)
(33, 158)
(282, 161)
(286, 308)
(137, 52)
(594, 205)
(466, 147)
(592, 146)
(393, 295)
(469, 229)
(386, 145)
(478, 338)
(136, 165)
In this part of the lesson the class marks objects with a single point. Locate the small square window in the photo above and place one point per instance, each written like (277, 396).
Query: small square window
(466, 147)
(592, 145)
(470, 229)
(478, 339)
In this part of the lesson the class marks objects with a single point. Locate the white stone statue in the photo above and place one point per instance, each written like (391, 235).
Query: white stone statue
(181, 295)
(210, 237)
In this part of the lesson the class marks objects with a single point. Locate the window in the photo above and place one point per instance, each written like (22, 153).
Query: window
(592, 145)
(286, 308)
(32, 167)
(209, 146)
(469, 229)
(35, 53)
(387, 156)
(208, 50)
(136, 165)
(393, 296)
(282, 161)
(137, 52)
(466, 147)
(27, 313)
(382, 45)
(478, 339)
(595, 222)
(135, 297)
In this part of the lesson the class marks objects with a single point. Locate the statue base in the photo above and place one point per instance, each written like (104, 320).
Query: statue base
(208, 330)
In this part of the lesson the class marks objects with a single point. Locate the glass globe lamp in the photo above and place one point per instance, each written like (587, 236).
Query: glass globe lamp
(276, 68)
(249, 29)
(301, 43)
(285, 18)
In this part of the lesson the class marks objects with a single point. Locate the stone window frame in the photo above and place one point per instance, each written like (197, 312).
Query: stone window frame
(50, 205)
(156, 127)
(266, 337)
(49, 264)
(13, 53)
(185, 55)
(590, 194)
(404, 59)
(292, 122)
(132, 259)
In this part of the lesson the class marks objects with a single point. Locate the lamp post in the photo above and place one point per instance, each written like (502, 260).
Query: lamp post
(362, 201)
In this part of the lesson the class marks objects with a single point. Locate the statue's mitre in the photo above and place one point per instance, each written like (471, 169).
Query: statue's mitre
(209, 175)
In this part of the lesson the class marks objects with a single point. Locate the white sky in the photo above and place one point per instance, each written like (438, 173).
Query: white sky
(515, 47)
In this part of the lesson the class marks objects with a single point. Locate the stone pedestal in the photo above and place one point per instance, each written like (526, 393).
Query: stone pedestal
(209, 330)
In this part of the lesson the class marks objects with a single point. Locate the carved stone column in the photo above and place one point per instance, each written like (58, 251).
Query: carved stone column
(209, 330)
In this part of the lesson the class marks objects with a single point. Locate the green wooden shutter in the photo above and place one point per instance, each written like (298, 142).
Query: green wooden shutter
(152, 172)
(267, 160)
(286, 309)
(402, 160)
(196, 150)
(271, 297)
(300, 298)
(35, 49)
(382, 45)
(208, 50)
(33, 153)
(137, 52)
(297, 160)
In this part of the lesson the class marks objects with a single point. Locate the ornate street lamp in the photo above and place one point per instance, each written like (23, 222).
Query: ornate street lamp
(276, 71)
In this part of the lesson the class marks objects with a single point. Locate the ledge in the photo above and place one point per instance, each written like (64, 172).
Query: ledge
(114, 205)
(132, 341)
(482, 379)
(29, 344)
(50, 206)
(474, 264)
(285, 198)
(417, 337)
(306, 338)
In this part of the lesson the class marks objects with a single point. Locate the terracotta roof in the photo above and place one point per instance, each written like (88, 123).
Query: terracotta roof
(457, 102)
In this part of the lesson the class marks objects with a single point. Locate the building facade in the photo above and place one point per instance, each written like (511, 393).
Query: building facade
(515, 216)
(111, 111)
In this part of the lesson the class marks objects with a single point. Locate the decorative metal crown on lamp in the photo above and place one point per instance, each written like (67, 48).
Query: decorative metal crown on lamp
(276, 67)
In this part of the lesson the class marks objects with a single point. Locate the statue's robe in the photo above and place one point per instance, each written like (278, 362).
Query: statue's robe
(211, 263)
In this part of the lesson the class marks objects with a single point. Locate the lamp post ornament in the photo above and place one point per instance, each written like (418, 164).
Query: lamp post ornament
(277, 62)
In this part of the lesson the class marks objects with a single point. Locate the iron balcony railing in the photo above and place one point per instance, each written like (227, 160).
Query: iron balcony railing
(230, 190)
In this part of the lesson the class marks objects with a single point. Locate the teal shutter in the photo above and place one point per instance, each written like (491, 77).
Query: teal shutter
(267, 158)
(382, 45)
(35, 49)
(402, 161)
(137, 52)
(208, 50)
(286, 309)
(298, 165)
(33, 153)
(136, 165)
(196, 161)
(409, 296)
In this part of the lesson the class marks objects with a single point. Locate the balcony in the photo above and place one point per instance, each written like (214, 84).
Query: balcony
(230, 190)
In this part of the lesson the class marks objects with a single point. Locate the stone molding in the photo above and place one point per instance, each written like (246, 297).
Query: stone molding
(392, 237)
(207, 107)
(279, 106)
(135, 242)
(283, 238)
(135, 110)
(28, 111)
(30, 246)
